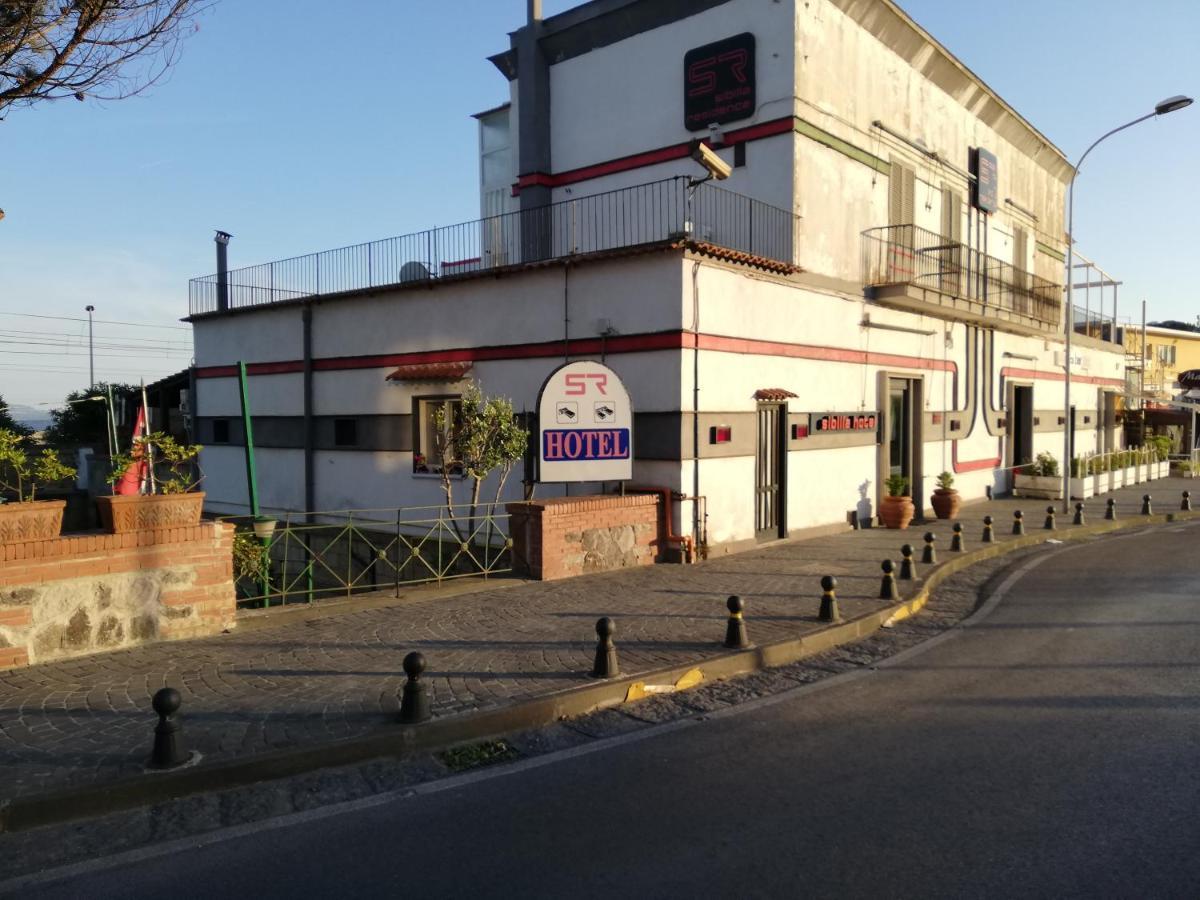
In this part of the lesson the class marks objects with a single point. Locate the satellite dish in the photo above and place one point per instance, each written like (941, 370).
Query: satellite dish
(413, 271)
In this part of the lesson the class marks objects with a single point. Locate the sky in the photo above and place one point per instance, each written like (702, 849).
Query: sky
(299, 131)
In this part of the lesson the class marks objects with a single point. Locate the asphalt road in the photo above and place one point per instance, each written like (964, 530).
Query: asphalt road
(1047, 749)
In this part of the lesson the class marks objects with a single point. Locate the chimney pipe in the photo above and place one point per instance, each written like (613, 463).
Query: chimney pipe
(534, 11)
(222, 239)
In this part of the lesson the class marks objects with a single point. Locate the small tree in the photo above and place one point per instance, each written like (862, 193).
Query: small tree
(485, 438)
(22, 472)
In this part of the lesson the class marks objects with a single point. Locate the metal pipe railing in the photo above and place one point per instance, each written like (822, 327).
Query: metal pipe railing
(671, 209)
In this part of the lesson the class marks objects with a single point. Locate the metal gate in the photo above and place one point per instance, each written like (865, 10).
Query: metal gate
(769, 473)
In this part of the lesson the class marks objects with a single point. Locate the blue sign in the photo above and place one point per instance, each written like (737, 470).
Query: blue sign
(584, 444)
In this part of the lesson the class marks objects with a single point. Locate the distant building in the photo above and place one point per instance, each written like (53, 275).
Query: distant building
(876, 289)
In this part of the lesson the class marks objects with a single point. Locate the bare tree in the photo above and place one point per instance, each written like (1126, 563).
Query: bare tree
(104, 49)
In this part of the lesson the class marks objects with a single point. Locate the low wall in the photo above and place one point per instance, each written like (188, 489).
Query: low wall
(564, 536)
(80, 594)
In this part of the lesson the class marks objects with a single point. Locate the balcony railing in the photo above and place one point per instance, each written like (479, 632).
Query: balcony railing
(909, 255)
(659, 211)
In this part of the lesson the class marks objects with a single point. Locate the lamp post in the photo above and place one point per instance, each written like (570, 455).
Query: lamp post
(1161, 109)
(91, 355)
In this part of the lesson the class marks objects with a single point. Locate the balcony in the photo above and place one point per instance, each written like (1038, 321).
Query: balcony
(672, 211)
(919, 270)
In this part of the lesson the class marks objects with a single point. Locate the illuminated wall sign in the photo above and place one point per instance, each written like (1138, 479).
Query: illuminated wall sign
(585, 423)
(718, 81)
(985, 190)
(834, 423)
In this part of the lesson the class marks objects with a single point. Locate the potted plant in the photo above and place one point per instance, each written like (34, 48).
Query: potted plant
(1040, 478)
(174, 500)
(897, 509)
(945, 499)
(22, 473)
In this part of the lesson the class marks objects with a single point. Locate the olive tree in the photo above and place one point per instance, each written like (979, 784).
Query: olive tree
(483, 438)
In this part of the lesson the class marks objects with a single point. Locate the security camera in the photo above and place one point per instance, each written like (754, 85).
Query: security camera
(707, 157)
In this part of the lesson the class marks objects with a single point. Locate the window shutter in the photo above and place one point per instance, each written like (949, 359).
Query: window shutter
(951, 214)
(1020, 249)
(901, 193)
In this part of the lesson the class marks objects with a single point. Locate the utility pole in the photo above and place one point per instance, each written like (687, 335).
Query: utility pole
(91, 354)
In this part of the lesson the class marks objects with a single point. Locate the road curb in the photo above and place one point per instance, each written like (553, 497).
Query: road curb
(39, 810)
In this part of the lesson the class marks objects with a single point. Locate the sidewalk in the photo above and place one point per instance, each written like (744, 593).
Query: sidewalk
(87, 722)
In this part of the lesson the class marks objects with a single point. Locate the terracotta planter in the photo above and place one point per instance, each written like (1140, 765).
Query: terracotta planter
(896, 512)
(946, 502)
(35, 521)
(135, 512)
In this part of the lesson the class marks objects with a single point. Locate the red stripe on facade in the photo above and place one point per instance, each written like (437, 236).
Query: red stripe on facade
(651, 157)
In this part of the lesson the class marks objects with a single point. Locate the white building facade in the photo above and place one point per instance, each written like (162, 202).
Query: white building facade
(874, 290)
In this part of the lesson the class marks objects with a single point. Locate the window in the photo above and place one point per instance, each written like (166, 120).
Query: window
(220, 431)
(427, 449)
(1166, 354)
(345, 432)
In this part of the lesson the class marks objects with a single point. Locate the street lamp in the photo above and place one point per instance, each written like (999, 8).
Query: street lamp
(1160, 109)
(91, 356)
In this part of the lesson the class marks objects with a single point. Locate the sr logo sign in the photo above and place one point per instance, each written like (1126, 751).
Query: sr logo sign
(585, 425)
(719, 82)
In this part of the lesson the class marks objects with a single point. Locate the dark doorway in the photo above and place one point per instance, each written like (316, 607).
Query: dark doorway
(769, 473)
(1020, 433)
(900, 429)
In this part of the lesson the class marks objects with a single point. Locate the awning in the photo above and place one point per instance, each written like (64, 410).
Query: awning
(445, 371)
(772, 394)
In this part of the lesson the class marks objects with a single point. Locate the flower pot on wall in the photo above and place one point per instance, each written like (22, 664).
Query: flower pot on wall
(945, 502)
(32, 521)
(896, 512)
(1044, 487)
(135, 512)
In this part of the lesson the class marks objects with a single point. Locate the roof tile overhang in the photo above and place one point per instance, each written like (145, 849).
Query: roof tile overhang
(443, 371)
(773, 394)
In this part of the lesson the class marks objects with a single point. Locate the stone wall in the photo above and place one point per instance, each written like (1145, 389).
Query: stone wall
(80, 594)
(564, 536)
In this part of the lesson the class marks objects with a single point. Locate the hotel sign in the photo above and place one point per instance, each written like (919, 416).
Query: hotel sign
(839, 423)
(585, 425)
(718, 81)
(985, 190)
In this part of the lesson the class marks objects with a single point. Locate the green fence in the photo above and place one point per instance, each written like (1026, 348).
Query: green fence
(301, 558)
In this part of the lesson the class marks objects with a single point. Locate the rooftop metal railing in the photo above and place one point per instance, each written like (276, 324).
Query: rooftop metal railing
(908, 254)
(659, 211)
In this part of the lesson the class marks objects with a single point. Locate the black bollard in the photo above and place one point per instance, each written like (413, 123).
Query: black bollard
(168, 749)
(956, 540)
(908, 568)
(1018, 522)
(414, 701)
(1079, 514)
(735, 631)
(929, 556)
(1110, 510)
(1146, 505)
(988, 537)
(888, 589)
(1049, 526)
(829, 607)
(1186, 503)
(606, 651)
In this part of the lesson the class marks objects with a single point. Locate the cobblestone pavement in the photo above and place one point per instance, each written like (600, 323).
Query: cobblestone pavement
(88, 720)
(56, 845)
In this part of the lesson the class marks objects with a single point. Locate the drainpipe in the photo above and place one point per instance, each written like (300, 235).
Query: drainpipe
(222, 239)
(310, 488)
(695, 403)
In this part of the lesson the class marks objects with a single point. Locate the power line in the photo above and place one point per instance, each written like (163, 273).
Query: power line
(97, 321)
(14, 332)
(25, 342)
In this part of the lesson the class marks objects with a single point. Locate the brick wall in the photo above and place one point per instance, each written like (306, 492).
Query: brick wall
(81, 594)
(564, 536)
